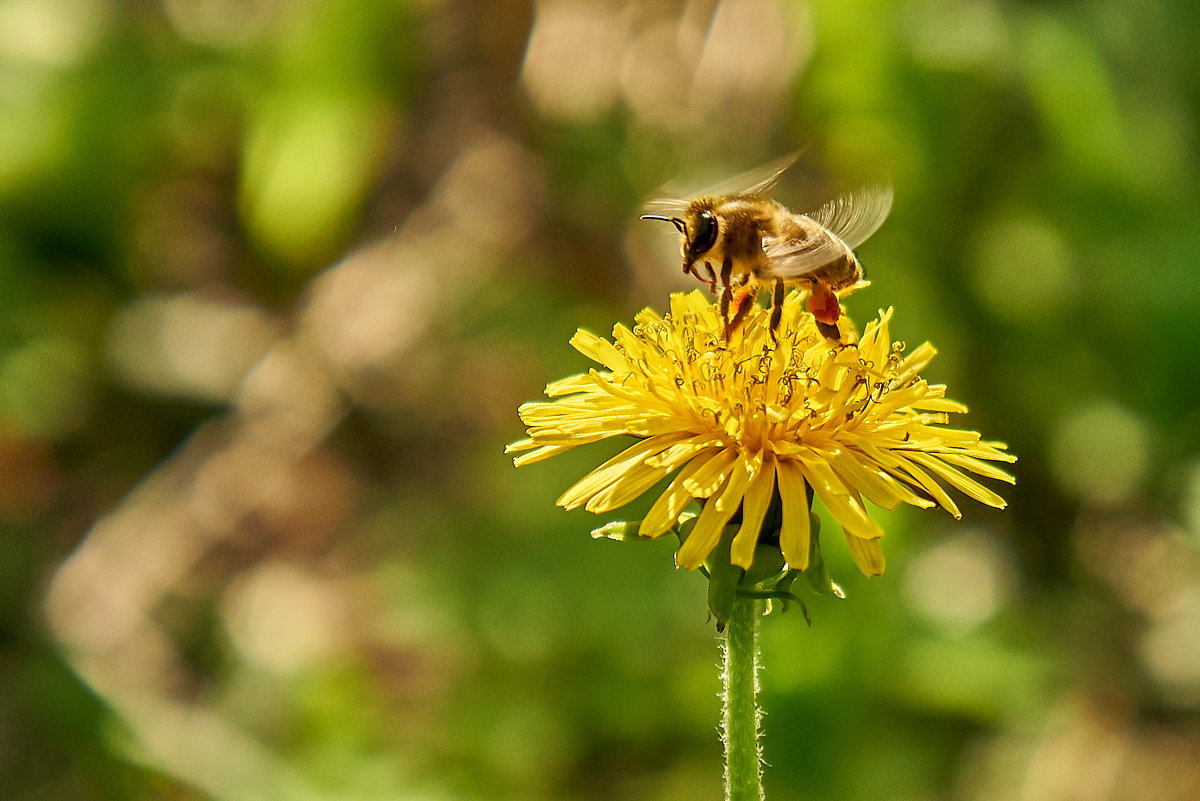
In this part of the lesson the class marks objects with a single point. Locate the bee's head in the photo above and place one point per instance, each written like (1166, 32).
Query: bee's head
(699, 227)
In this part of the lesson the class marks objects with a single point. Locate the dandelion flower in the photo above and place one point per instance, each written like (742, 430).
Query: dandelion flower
(735, 424)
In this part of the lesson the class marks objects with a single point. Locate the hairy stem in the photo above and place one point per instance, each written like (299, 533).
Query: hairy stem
(740, 713)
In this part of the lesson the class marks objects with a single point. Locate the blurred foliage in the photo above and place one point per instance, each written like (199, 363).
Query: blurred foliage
(275, 276)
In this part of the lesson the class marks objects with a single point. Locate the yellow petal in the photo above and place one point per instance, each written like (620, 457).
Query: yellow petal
(754, 508)
(795, 534)
(916, 362)
(731, 494)
(712, 520)
(905, 470)
(876, 338)
(897, 399)
(635, 395)
(978, 466)
(844, 505)
(544, 452)
(958, 480)
(681, 452)
(628, 486)
(520, 445)
(599, 349)
(612, 470)
(670, 504)
(688, 303)
(707, 480)
(866, 554)
(863, 474)
(940, 405)
(568, 386)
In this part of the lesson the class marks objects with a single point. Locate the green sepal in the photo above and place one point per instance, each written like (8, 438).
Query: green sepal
(817, 572)
(768, 566)
(620, 530)
(769, 578)
(723, 578)
(684, 525)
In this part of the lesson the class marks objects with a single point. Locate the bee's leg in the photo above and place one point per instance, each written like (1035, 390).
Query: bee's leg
(741, 304)
(830, 331)
(712, 278)
(727, 271)
(825, 308)
(726, 291)
(776, 310)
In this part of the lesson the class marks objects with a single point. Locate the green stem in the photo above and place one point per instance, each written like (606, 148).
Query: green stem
(740, 713)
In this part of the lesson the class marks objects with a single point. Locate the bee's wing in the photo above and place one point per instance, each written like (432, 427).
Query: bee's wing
(801, 248)
(840, 225)
(751, 182)
(857, 215)
(672, 201)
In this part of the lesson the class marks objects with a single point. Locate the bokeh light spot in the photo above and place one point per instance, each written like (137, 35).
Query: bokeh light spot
(45, 389)
(1171, 647)
(188, 345)
(1190, 505)
(306, 168)
(284, 617)
(220, 23)
(1099, 452)
(50, 33)
(1022, 268)
(960, 583)
(565, 77)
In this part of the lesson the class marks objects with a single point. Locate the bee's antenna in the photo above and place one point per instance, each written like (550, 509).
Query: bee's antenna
(675, 221)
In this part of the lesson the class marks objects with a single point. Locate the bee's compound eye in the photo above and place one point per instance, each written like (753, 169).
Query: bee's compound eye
(705, 235)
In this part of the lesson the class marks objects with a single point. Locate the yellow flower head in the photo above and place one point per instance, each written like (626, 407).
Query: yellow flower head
(737, 422)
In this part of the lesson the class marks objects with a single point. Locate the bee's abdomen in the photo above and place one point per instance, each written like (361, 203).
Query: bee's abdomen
(841, 272)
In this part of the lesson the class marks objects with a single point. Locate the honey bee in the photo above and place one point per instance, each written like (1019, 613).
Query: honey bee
(746, 242)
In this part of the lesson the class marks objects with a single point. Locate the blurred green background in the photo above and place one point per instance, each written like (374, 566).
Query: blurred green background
(275, 276)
